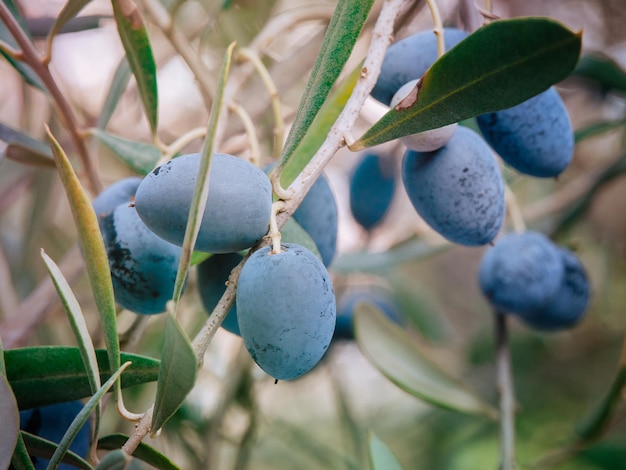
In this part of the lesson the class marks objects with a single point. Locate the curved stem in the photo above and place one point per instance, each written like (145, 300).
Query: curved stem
(506, 391)
(381, 38)
(158, 15)
(274, 234)
(380, 41)
(513, 208)
(437, 27)
(33, 59)
(266, 78)
(255, 152)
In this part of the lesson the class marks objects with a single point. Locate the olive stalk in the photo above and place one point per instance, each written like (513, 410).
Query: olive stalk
(29, 55)
(381, 38)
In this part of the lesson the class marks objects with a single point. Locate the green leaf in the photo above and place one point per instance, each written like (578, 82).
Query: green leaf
(134, 37)
(381, 458)
(77, 320)
(392, 351)
(21, 459)
(10, 419)
(292, 232)
(198, 257)
(319, 128)
(579, 208)
(81, 418)
(24, 70)
(45, 375)
(93, 250)
(603, 70)
(598, 128)
(143, 452)
(116, 460)
(79, 327)
(23, 148)
(69, 11)
(201, 189)
(343, 30)
(24, 155)
(412, 250)
(139, 156)
(177, 374)
(498, 66)
(595, 423)
(120, 80)
(40, 447)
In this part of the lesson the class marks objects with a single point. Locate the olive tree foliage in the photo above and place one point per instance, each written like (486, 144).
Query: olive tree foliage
(95, 92)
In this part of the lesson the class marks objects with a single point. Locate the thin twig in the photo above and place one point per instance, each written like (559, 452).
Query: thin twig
(266, 78)
(34, 60)
(506, 391)
(437, 27)
(248, 124)
(381, 38)
(158, 15)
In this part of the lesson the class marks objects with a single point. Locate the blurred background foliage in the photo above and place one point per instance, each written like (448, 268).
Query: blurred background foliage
(236, 417)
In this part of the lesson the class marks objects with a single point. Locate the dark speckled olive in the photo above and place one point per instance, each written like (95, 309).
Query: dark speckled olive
(567, 306)
(458, 189)
(409, 59)
(212, 276)
(143, 265)
(122, 191)
(238, 208)
(534, 137)
(51, 422)
(286, 309)
(377, 297)
(521, 272)
(372, 186)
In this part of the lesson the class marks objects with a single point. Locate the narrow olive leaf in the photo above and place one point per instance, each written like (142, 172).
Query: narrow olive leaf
(116, 460)
(119, 82)
(21, 460)
(593, 426)
(77, 321)
(381, 457)
(413, 250)
(69, 11)
(24, 155)
(292, 232)
(598, 128)
(13, 136)
(319, 128)
(93, 250)
(498, 66)
(603, 70)
(574, 212)
(177, 374)
(201, 190)
(82, 417)
(79, 327)
(343, 31)
(134, 37)
(140, 157)
(10, 419)
(144, 452)
(24, 70)
(198, 257)
(40, 447)
(392, 351)
(45, 375)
